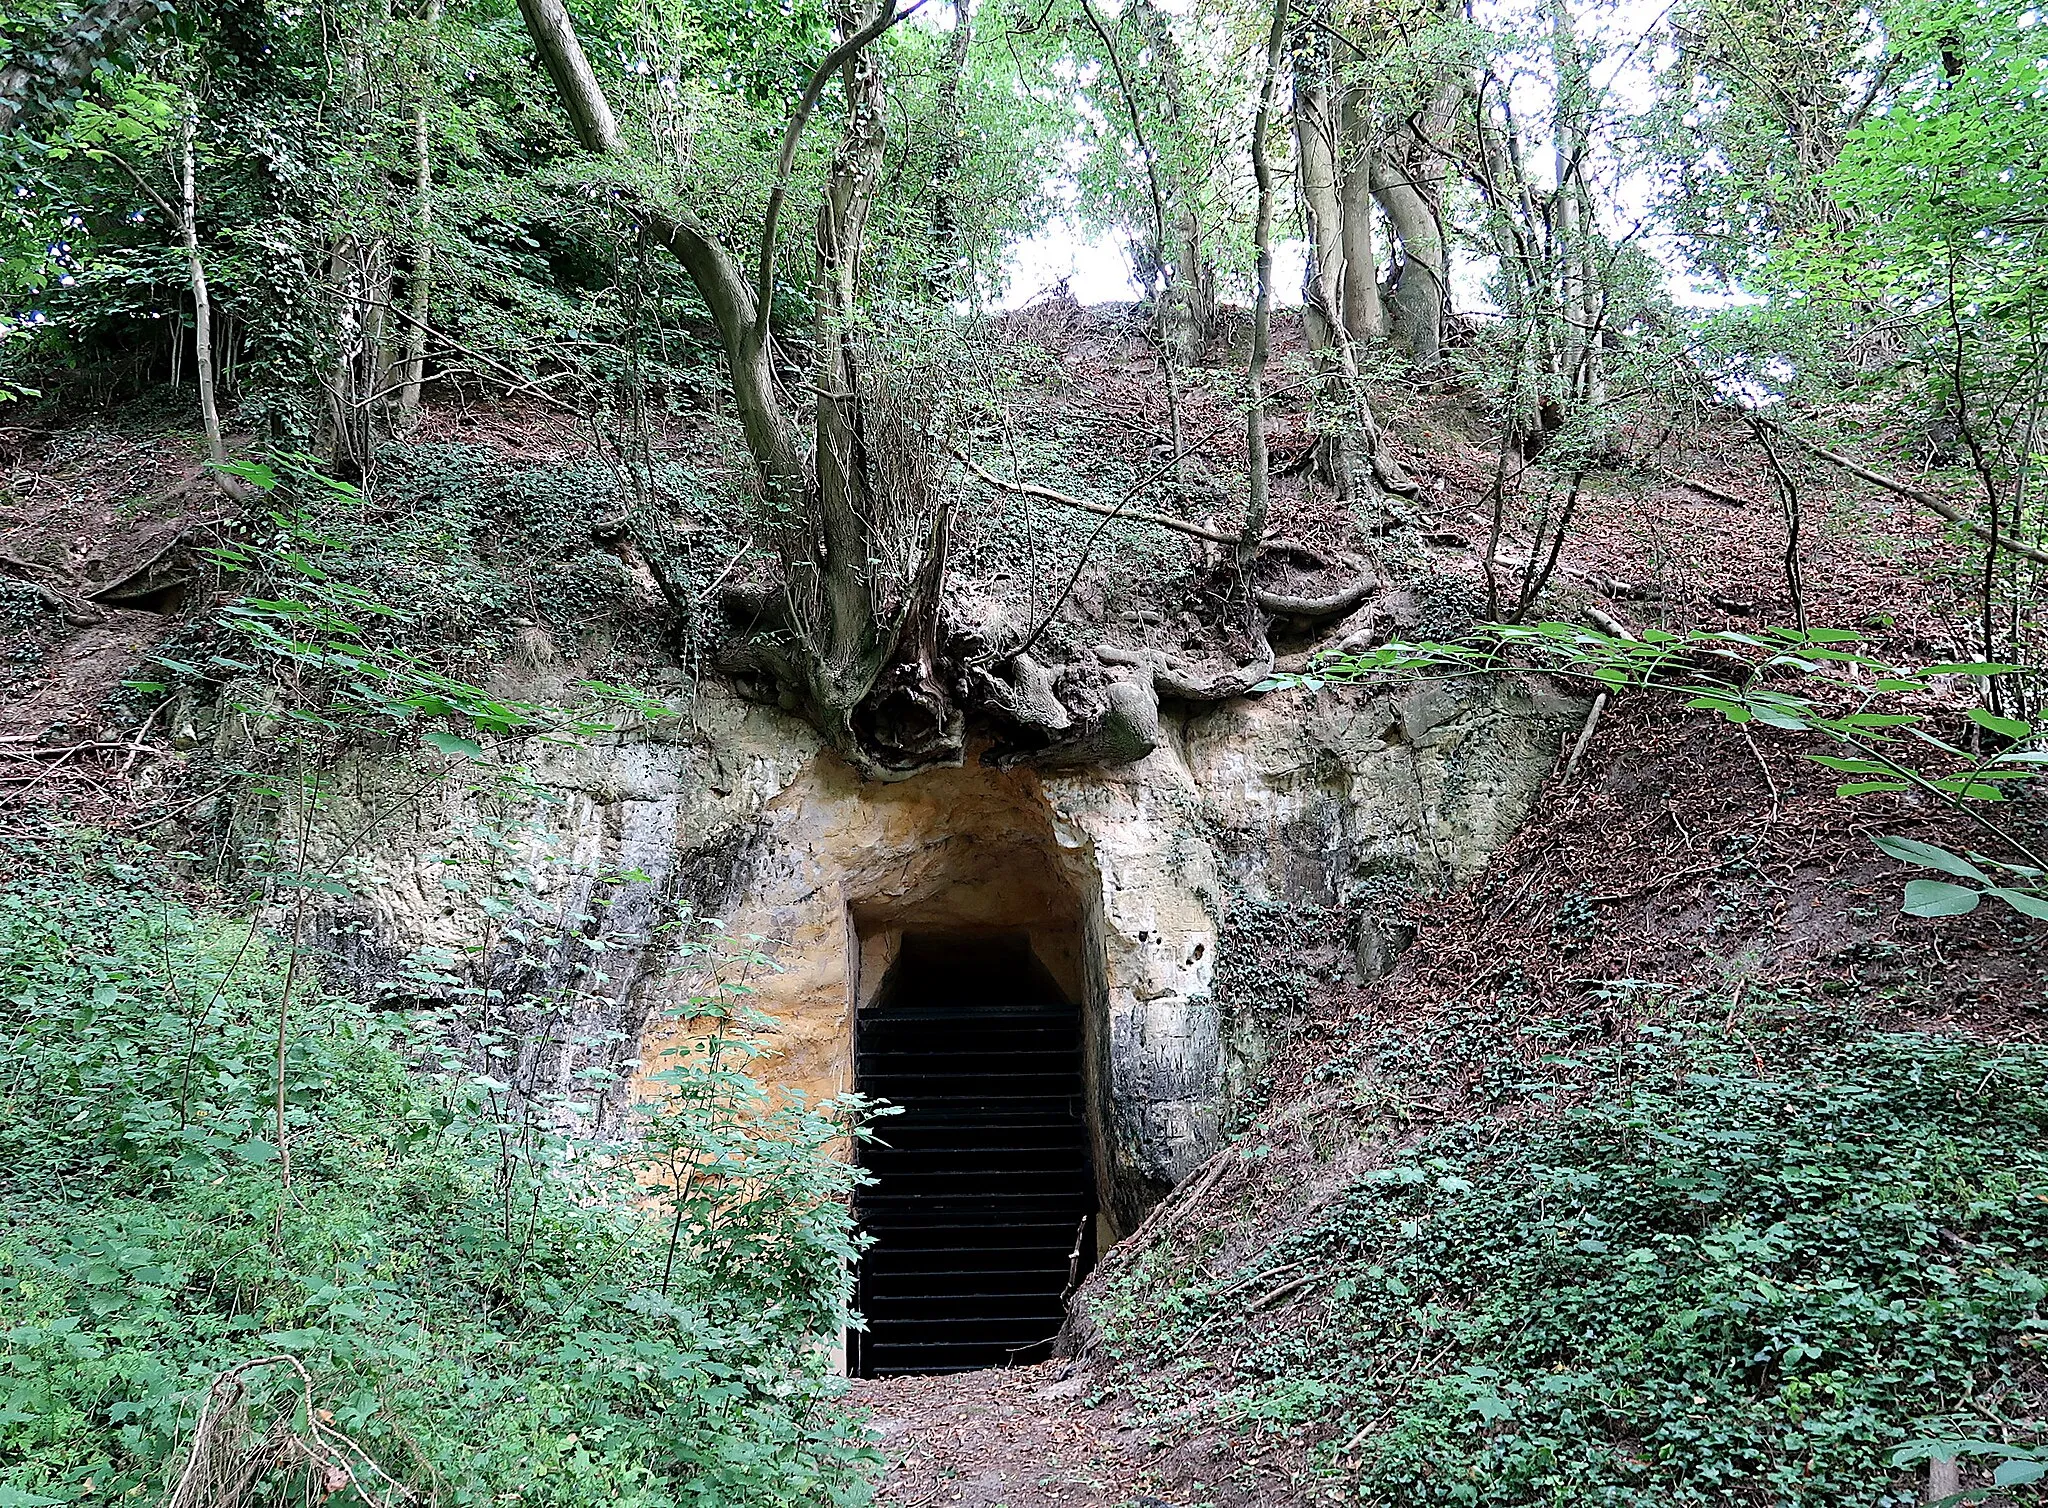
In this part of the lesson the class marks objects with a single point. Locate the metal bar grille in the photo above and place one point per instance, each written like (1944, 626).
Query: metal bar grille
(983, 1184)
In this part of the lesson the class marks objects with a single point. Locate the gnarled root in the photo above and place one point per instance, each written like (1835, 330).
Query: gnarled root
(1316, 609)
(1114, 724)
(1175, 678)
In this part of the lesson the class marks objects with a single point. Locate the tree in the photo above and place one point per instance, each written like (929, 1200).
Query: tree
(854, 632)
(1944, 254)
(165, 121)
(850, 631)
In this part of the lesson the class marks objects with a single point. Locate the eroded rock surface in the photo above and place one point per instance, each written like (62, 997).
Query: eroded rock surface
(1186, 899)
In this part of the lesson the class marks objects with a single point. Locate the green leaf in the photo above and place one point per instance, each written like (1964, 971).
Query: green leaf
(1865, 787)
(1776, 717)
(1939, 898)
(257, 1150)
(452, 744)
(2020, 901)
(20, 1497)
(2004, 727)
(2019, 1473)
(1927, 856)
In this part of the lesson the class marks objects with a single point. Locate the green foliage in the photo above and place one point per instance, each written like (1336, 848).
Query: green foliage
(1750, 109)
(483, 1307)
(1748, 1260)
(1888, 720)
(316, 644)
(1950, 184)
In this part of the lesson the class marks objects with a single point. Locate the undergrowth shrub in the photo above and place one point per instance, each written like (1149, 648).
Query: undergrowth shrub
(492, 1312)
(1756, 1263)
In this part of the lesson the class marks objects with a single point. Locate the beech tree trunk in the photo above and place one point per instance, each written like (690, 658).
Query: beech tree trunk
(420, 280)
(1364, 315)
(1407, 180)
(202, 303)
(1317, 146)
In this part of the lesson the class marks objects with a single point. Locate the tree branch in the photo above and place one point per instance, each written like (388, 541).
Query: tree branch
(837, 58)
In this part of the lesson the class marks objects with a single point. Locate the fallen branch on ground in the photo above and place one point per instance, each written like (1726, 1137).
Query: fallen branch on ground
(1606, 623)
(1918, 495)
(1103, 510)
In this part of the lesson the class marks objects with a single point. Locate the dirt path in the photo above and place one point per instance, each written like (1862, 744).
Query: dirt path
(1028, 1437)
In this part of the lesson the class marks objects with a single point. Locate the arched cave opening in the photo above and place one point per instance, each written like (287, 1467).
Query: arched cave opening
(983, 1206)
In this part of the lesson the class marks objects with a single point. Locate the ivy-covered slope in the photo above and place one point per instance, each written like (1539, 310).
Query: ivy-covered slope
(1752, 1260)
(1672, 1164)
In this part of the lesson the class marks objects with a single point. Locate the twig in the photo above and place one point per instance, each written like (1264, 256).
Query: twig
(1607, 623)
(1128, 1248)
(1571, 765)
(1757, 754)
(1275, 1295)
(1707, 489)
(141, 733)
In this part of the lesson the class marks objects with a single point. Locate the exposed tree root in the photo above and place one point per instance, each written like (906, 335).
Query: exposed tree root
(1315, 609)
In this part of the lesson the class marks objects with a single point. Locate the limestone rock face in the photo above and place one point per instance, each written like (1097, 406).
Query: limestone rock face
(1185, 901)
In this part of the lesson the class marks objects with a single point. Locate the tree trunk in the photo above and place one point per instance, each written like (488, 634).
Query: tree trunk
(420, 282)
(850, 637)
(1315, 134)
(952, 148)
(845, 632)
(1568, 146)
(1317, 151)
(1407, 180)
(1257, 476)
(40, 77)
(1192, 311)
(202, 305)
(720, 282)
(1365, 318)
(1195, 279)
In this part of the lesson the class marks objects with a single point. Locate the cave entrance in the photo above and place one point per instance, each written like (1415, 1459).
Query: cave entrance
(983, 1205)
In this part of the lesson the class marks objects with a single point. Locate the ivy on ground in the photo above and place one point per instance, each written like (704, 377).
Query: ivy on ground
(1760, 1258)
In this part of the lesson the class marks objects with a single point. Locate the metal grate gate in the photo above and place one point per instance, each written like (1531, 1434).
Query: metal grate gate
(984, 1200)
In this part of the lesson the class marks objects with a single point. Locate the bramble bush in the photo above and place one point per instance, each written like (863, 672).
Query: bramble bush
(486, 1312)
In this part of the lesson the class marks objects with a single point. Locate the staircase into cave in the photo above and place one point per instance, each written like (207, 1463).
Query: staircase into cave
(983, 1205)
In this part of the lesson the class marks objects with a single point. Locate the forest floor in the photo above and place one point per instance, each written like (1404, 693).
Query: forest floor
(1034, 1437)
